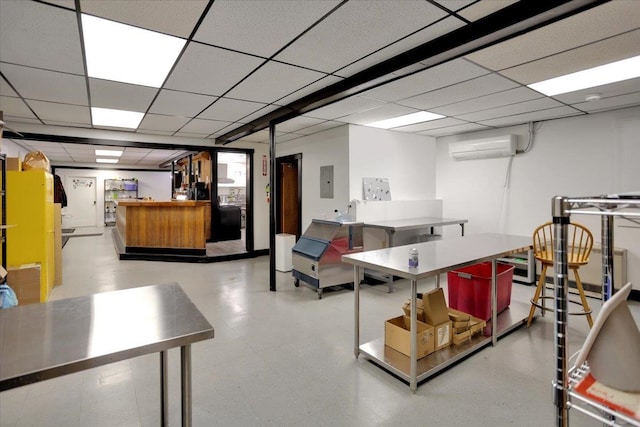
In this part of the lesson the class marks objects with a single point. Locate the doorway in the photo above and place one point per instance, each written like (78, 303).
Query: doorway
(81, 209)
(289, 195)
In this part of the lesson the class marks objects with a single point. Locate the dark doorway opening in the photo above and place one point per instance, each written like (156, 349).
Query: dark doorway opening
(289, 195)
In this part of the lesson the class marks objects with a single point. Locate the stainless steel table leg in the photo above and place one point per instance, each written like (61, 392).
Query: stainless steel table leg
(164, 396)
(185, 370)
(413, 383)
(437, 280)
(356, 294)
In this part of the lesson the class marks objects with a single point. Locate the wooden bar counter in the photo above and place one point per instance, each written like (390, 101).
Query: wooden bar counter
(171, 227)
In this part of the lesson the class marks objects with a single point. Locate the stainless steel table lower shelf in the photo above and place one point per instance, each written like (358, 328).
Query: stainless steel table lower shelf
(396, 362)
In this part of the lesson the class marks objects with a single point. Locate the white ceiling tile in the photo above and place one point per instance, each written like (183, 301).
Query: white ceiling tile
(432, 124)
(5, 89)
(437, 77)
(174, 103)
(202, 127)
(323, 47)
(209, 70)
(494, 100)
(42, 85)
(606, 20)
(511, 109)
(192, 135)
(309, 89)
(15, 107)
(551, 113)
(287, 137)
(460, 92)
(320, 127)
(260, 136)
(621, 101)
(353, 104)
(120, 96)
(273, 81)
(51, 111)
(455, 5)
(69, 4)
(610, 50)
(452, 130)
(68, 124)
(259, 113)
(296, 125)
(40, 35)
(375, 114)
(483, 8)
(432, 32)
(227, 109)
(175, 17)
(605, 91)
(156, 122)
(154, 132)
(259, 27)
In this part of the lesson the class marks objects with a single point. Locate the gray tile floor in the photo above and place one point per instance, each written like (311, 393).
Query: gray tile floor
(286, 358)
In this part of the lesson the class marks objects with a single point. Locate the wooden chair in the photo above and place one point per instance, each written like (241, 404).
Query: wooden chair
(579, 245)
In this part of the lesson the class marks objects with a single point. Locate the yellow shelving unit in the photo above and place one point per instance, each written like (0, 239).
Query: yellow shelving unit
(30, 209)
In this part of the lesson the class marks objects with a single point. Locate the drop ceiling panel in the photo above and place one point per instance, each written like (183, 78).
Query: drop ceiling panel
(41, 36)
(16, 106)
(260, 136)
(120, 96)
(534, 116)
(454, 5)
(5, 89)
(589, 56)
(432, 124)
(622, 101)
(432, 32)
(159, 122)
(288, 137)
(209, 70)
(376, 114)
(349, 105)
(175, 17)
(295, 125)
(259, 113)
(69, 124)
(202, 127)
(16, 119)
(604, 21)
(320, 127)
(51, 111)
(511, 109)
(309, 89)
(70, 4)
(605, 91)
(323, 47)
(437, 77)
(452, 130)
(469, 89)
(185, 104)
(33, 83)
(483, 8)
(273, 81)
(259, 27)
(227, 109)
(494, 100)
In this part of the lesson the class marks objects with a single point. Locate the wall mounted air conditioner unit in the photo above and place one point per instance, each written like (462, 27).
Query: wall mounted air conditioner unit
(497, 146)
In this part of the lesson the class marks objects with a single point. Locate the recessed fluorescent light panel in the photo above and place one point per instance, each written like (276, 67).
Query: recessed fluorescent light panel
(106, 160)
(604, 74)
(115, 118)
(407, 119)
(128, 54)
(109, 153)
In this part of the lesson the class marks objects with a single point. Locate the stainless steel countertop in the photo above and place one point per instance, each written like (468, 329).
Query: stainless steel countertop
(413, 223)
(440, 256)
(43, 341)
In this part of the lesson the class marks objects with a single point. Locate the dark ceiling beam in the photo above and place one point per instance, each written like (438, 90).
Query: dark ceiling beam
(509, 22)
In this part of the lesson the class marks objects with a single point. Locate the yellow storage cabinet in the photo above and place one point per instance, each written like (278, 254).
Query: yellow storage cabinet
(30, 209)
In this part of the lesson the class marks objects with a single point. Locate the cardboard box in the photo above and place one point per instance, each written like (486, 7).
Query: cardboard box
(407, 309)
(25, 281)
(474, 325)
(398, 337)
(435, 307)
(443, 335)
(14, 164)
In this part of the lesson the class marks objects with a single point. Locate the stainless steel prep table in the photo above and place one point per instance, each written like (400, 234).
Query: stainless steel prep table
(403, 226)
(435, 258)
(48, 340)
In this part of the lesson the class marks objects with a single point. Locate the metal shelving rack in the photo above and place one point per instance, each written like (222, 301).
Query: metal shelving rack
(114, 190)
(607, 207)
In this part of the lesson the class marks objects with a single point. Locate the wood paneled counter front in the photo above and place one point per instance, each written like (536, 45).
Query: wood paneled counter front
(178, 227)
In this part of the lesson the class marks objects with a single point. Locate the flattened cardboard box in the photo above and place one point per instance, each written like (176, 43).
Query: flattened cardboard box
(435, 307)
(443, 334)
(407, 309)
(398, 337)
(25, 281)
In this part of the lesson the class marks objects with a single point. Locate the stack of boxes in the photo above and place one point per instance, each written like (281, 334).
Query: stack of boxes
(438, 326)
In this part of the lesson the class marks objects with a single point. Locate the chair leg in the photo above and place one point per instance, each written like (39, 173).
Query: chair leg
(536, 296)
(583, 298)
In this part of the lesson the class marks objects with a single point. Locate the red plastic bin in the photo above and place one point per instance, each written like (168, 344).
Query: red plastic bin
(469, 288)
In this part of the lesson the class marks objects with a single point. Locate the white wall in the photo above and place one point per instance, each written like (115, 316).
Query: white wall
(576, 156)
(156, 185)
(328, 148)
